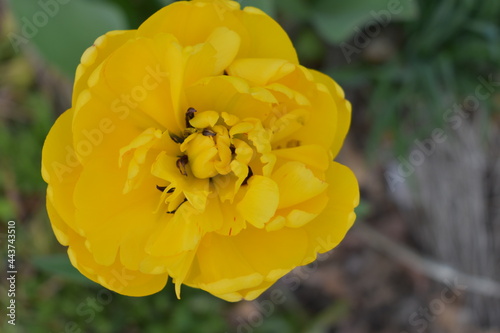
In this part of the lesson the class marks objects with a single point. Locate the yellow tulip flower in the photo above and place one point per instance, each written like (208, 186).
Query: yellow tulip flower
(197, 147)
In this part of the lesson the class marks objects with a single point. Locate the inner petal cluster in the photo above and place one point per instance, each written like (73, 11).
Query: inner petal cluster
(214, 157)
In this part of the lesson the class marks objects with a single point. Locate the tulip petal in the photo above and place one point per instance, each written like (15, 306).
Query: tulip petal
(227, 44)
(251, 265)
(181, 233)
(231, 94)
(260, 71)
(323, 110)
(260, 201)
(343, 109)
(330, 227)
(152, 85)
(195, 190)
(314, 156)
(296, 184)
(114, 277)
(267, 37)
(61, 169)
(96, 54)
(191, 23)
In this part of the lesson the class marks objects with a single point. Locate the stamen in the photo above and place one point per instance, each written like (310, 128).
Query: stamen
(162, 189)
(250, 174)
(173, 211)
(181, 164)
(176, 138)
(208, 132)
(189, 115)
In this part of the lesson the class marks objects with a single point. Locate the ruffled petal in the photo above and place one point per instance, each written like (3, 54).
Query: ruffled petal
(260, 201)
(260, 72)
(232, 95)
(191, 22)
(343, 109)
(296, 184)
(330, 227)
(151, 85)
(267, 37)
(61, 170)
(114, 277)
(322, 110)
(96, 54)
(251, 265)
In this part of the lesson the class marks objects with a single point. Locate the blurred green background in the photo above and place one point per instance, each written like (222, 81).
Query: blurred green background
(403, 64)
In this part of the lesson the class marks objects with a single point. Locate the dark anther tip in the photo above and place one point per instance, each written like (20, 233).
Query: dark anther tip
(250, 174)
(208, 132)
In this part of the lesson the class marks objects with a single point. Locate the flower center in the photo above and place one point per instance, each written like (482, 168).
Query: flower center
(215, 155)
(218, 144)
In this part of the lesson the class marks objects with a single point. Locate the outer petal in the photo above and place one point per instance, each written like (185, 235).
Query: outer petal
(115, 277)
(320, 128)
(267, 37)
(105, 215)
(257, 265)
(330, 227)
(261, 71)
(150, 84)
(96, 54)
(225, 266)
(61, 170)
(296, 184)
(192, 23)
(343, 109)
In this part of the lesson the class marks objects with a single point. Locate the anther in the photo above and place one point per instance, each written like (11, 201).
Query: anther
(176, 138)
(181, 164)
(208, 132)
(189, 115)
(162, 189)
(173, 211)
(250, 174)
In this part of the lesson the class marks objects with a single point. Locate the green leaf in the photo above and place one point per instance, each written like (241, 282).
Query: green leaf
(7, 210)
(363, 209)
(309, 46)
(165, 2)
(336, 21)
(59, 264)
(61, 30)
(295, 10)
(268, 6)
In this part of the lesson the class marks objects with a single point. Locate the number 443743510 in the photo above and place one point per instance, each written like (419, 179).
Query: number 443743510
(11, 248)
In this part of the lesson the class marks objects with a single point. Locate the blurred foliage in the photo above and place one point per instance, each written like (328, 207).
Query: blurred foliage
(432, 67)
(61, 32)
(427, 57)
